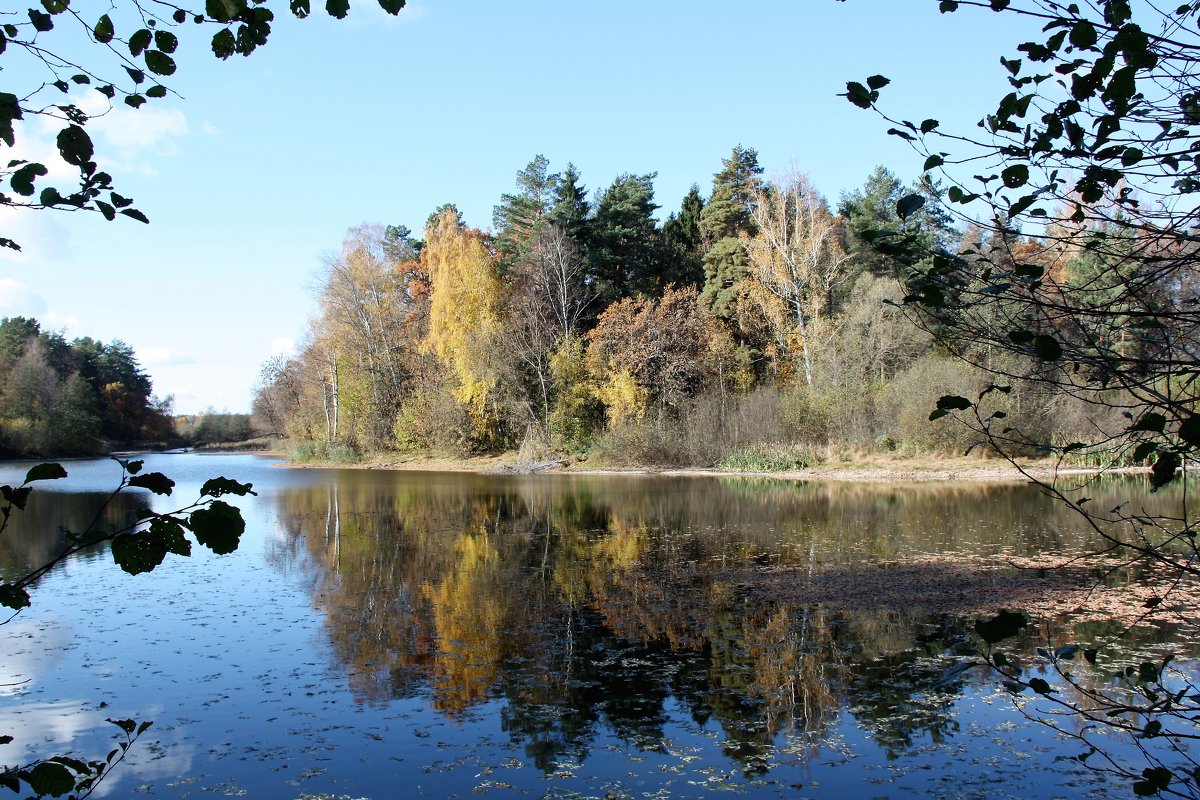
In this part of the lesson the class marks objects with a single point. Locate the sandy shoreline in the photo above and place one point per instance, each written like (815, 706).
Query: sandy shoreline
(890, 471)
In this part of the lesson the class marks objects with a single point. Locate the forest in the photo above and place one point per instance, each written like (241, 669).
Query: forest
(79, 397)
(755, 328)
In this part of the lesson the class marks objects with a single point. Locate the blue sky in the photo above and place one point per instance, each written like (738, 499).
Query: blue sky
(259, 168)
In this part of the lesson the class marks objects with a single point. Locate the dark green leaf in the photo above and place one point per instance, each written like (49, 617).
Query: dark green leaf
(1040, 686)
(107, 210)
(1155, 780)
(1189, 430)
(877, 81)
(337, 8)
(180, 16)
(160, 63)
(139, 42)
(169, 532)
(859, 95)
(928, 125)
(1144, 451)
(223, 43)
(103, 32)
(946, 6)
(135, 101)
(136, 75)
(154, 481)
(953, 402)
(909, 205)
(13, 597)
(156, 91)
(301, 8)
(75, 146)
(221, 10)
(138, 552)
(10, 109)
(1047, 348)
(391, 6)
(1016, 176)
(134, 467)
(218, 527)
(22, 180)
(16, 497)
(1150, 421)
(933, 162)
(215, 487)
(49, 471)
(127, 725)
(1067, 652)
(49, 778)
(133, 213)
(1164, 469)
(166, 41)
(1083, 34)
(1004, 625)
(1090, 655)
(41, 22)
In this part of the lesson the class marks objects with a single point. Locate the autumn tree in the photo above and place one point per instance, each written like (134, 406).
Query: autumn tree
(796, 254)
(464, 320)
(365, 303)
(650, 352)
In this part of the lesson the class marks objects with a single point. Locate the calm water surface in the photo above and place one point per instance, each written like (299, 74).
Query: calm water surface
(441, 635)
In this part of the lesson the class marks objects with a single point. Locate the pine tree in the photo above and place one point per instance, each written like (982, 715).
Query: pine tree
(684, 258)
(726, 216)
(519, 215)
(873, 207)
(623, 256)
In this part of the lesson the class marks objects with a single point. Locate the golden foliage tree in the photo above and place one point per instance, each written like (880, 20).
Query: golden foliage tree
(796, 254)
(464, 320)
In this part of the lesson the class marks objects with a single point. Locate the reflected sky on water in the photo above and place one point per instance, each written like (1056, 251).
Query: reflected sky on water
(540, 636)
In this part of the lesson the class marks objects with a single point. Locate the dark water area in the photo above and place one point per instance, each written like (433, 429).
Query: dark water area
(451, 635)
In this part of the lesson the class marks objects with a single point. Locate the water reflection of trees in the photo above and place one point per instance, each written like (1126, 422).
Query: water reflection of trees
(587, 604)
(35, 536)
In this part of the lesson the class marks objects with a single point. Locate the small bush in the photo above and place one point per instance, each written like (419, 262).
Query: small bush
(768, 458)
(303, 452)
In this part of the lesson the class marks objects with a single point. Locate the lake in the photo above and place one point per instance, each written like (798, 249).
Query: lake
(457, 635)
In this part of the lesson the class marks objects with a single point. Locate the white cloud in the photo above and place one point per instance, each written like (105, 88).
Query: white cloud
(128, 136)
(56, 321)
(163, 356)
(18, 300)
(283, 346)
(41, 235)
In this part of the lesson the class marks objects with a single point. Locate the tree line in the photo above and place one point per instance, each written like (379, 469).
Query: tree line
(760, 325)
(73, 397)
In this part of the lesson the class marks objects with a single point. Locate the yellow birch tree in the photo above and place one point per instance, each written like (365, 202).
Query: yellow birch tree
(464, 319)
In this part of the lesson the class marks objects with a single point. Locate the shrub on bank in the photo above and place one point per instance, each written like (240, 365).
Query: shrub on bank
(768, 458)
(337, 453)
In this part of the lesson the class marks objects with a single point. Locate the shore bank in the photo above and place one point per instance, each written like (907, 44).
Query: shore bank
(881, 470)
